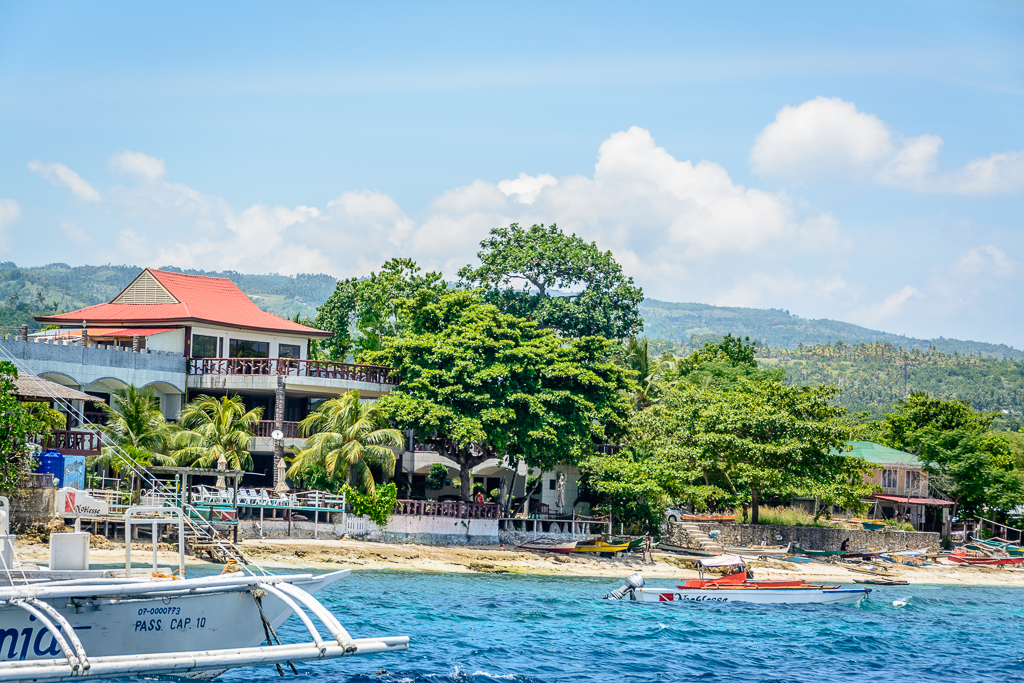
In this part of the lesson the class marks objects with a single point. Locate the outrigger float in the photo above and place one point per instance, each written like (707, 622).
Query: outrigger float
(736, 587)
(60, 623)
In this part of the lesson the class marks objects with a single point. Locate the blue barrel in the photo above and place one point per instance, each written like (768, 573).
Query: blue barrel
(52, 462)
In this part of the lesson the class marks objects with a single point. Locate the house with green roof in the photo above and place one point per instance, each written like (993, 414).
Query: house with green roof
(902, 478)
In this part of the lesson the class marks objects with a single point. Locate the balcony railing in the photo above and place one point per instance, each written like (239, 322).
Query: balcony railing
(265, 428)
(70, 442)
(292, 367)
(454, 509)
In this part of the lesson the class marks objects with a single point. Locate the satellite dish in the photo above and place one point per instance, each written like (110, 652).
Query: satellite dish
(276, 435)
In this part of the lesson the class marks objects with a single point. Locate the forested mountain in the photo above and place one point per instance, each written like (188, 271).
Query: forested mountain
(25, 292)
(873, 376)
(687, 326)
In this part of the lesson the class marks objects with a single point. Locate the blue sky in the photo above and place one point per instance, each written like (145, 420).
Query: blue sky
(863, 162)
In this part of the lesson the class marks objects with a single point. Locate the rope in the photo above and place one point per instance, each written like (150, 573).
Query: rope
(268, 629)
(231, 567)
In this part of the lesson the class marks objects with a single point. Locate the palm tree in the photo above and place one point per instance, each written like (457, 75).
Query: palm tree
(637, 358)
(347, 436)
(209, 428)
(135, 419)
(136, 428)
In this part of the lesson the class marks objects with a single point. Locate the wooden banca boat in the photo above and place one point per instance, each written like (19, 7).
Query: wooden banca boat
(547, 545)
(990, 545)
(755, 551)
(600, 547)
(70, 621)
(819, 553)
(736, 587)
(962, 557)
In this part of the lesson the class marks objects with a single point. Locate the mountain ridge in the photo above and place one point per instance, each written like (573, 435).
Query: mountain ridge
(28, 291)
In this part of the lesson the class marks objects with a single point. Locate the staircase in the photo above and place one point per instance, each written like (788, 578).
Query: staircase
(707, 543)
(202, 538)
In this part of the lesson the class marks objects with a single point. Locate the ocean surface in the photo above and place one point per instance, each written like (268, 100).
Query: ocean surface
(476, 628)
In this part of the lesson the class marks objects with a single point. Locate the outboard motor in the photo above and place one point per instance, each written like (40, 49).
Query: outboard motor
(633, 581)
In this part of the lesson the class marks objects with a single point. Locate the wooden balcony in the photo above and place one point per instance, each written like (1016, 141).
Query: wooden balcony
(70, 442)
(292, 367)
(265, 428)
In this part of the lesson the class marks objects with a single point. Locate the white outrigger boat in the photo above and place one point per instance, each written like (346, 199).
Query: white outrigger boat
(736, 587)
(70, 622)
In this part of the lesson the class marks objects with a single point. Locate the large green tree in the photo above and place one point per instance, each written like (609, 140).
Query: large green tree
(17, 426)
(363, 312)
(348, 436)
(976, 467)
(479, 383)
(558, 280)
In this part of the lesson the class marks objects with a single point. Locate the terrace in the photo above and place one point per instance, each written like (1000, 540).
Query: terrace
(299, 376)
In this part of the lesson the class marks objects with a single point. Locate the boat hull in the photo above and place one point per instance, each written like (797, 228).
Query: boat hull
(150, 625)
(754, 595)
(986, 561)
(564, 548)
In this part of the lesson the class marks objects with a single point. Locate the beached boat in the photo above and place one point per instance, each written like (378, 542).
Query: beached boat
(547, 545)
(866, 569)
(600, 547)
(862, 554)
(988, 545)
(796, 559)
(819, 553)
(736, 588)
(709, 518)
(883, 581)
(960, 557)
(755, 551)
(681, 550)
(70, 621)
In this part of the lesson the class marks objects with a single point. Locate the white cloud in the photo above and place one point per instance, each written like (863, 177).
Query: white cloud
(74, 233)
(10, 212)
(671, 222)
(139, 164)
(59, 174)
(828, 138)
(525, 187)
(824, 136)
(996, 174)
(988, 260)
(890, 307)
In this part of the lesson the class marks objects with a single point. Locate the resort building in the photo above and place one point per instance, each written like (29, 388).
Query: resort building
(187, 335)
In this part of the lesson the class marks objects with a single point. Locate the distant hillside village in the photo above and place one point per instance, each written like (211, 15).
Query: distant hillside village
(410, 407)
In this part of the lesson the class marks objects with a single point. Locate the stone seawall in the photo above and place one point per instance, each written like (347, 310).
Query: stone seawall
(31, 508)
(814, 538)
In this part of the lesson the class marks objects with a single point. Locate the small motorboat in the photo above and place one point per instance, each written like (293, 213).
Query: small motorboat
(755, 551)
(547, 545)
(736, 587)
(990, 545)
(865, 569)
(862, 554)
(882, 581)
(796, 559)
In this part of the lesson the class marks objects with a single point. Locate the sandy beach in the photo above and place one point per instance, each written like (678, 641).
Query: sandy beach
(293, 554)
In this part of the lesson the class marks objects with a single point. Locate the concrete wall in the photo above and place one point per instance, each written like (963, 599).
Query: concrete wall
(31, 508)
(400, 529)
(814, 538)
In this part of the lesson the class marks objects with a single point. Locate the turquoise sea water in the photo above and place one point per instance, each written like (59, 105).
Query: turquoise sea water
(474, 628)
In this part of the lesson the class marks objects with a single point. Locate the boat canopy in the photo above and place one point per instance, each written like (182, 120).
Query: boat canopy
(721, 561)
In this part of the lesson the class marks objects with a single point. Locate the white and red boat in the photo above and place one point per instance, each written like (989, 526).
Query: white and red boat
(547, 545)
(736, 587)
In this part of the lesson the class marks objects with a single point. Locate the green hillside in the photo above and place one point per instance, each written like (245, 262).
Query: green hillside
(873, 376)
(687, 326)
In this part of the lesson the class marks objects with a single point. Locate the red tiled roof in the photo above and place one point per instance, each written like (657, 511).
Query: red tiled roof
(211, 300)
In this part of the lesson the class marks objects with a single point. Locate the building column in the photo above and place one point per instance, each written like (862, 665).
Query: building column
(279, 403)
